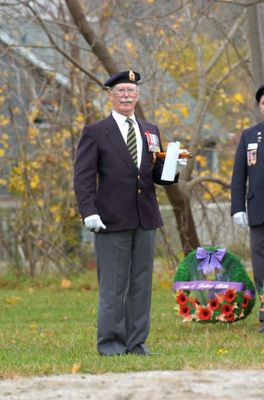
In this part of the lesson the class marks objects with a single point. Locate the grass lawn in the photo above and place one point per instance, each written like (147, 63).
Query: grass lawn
(46, 328)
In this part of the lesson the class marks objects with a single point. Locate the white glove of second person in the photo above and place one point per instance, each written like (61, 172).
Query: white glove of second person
(240, 218)
(181, 162)
(94, 223)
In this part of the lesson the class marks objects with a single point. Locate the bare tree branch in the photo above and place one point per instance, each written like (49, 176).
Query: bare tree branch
(196, 181)
(238, 3)
(222, 48)
(64, 53)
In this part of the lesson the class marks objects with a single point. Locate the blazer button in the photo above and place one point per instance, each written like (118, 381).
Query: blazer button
(139, 191)
(138, 177)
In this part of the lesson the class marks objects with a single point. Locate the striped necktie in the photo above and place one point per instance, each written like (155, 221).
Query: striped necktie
(131, 140)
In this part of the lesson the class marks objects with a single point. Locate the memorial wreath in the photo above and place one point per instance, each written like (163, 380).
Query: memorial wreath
(211, 285)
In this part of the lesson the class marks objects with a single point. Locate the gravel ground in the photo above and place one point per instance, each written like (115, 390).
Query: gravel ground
(165, 385)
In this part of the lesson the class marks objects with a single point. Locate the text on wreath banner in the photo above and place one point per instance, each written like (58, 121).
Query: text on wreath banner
(207, 285)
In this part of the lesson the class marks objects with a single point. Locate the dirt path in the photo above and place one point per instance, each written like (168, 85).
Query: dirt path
(162, 385)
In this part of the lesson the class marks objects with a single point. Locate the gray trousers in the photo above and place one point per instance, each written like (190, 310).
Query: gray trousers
(257, 257)
(124, 267)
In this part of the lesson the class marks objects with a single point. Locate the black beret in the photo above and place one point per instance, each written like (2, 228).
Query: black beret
(259, 93)
(123, 77)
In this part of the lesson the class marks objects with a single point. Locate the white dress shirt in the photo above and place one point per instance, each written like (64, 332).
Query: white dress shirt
(123, 127)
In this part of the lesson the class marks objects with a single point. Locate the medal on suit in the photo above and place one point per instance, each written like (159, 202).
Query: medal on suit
(252, 153)
(153, 144)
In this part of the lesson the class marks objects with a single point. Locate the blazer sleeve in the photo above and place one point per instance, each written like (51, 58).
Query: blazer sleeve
(85, 172)
(239, 178)
(158, 168)
(157, 172)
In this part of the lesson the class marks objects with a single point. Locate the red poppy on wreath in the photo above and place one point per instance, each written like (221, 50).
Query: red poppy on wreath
(185, 310)
(203, 313)
(214, 304)
(230, 317)
(246, 299)
(230, 295)
(227, 309)
(181, 298)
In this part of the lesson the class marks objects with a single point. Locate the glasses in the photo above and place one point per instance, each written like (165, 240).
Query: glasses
(130, 91)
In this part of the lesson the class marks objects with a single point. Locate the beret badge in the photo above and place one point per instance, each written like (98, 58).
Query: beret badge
(131, 76)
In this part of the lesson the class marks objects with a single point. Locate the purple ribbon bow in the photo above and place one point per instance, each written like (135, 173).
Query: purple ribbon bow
(209, 259)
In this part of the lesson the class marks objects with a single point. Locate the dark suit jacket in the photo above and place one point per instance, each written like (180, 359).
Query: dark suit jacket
(107, 182)
(248, 181)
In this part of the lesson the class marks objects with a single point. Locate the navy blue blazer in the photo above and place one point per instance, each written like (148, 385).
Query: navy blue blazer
(107, 182)
(247, 185)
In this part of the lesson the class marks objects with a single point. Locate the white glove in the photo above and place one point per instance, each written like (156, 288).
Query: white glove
(240, 218)
(181, 162)
(94, 223)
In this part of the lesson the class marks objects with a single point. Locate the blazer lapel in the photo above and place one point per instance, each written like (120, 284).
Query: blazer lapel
(114, 136)
(145, 152)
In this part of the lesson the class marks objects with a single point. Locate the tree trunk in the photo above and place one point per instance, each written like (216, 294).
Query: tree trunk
(254, 36)
(184, 218)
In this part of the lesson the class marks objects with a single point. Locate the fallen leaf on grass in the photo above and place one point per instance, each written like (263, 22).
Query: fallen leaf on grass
(12, 300)
(165, 284)
(75, 368)
(222, 351)
(65, 284)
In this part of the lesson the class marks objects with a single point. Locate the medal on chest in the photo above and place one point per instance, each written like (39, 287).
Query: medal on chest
(153, 143)
(252, 153)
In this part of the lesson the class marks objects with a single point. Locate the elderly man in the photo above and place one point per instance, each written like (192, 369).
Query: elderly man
(115, 172)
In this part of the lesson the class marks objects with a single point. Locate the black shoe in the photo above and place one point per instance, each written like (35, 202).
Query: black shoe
(143, 354)
(142, 351)
(111, 354)
(261, 328)
(138, 351)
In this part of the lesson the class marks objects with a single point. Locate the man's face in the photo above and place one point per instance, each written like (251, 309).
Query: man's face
(124, 97)
(261, 105)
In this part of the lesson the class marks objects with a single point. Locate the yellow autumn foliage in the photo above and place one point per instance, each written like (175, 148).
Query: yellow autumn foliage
(71, 212)
(239, 97)
(33, 132)
(131, 48)
(66, 133)
(33, 114)
(184, 110)
(56, 212)
(202, 161)
(80, 118)
(75, 101)
(34, 181)
(4, 137)
(40, 203)
(4, 120)
(3, 182)
(242, 123)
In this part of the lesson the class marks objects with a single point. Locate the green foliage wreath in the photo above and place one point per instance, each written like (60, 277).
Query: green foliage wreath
(213, 305)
